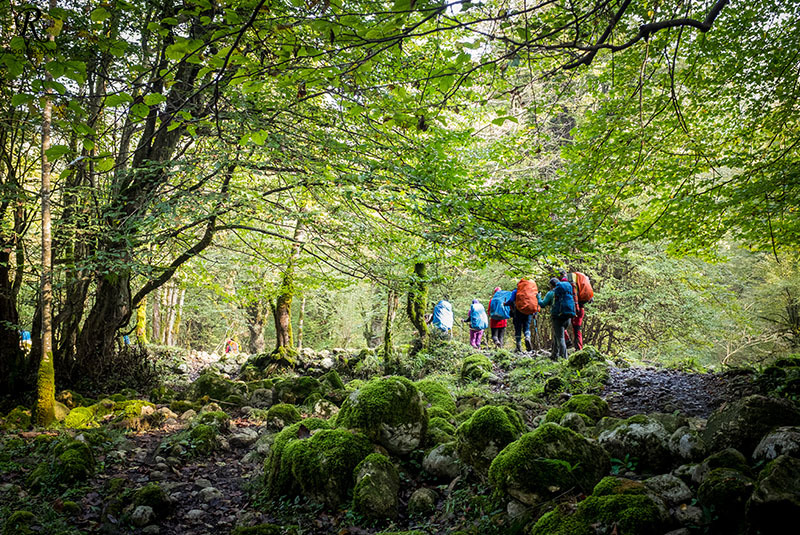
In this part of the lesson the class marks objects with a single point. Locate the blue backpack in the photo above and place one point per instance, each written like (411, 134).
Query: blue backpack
(565, 300)
(499, 309)
(477, 317)
(443, 316)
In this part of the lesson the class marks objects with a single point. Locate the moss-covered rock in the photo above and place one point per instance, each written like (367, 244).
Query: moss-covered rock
(19, 523)
(776, 496)
(780, 441)
(153, 496)
(283, 414)
(332, 380)
(323, 465)
(476, 367)
(210, 383)
(261, 529)
(744, 423)
(389, 411)
(80, 418)
(422, 502)
(547, 462)
(377, 486)
(442, 461)
(727, 458)
(294, 390)
(17, 418)
(218, 419)
(203, 439)
(436, 395)
(592, 406)
(725, 492)
(74, 463)
(554, 385)
(436, 412)
(642, 438)
(582, 358)
(278, 477)
(687, 445)
(486, 433)
(439, 431)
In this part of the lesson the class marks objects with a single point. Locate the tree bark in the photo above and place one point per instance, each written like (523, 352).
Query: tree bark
(46, 387)
(418, 299)
(256, 316)
(141, 322)
(157, 315)
(392, 304)
(282, 310)
(300, 324)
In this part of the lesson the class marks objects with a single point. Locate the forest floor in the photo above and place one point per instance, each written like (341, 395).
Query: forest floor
(214, 493)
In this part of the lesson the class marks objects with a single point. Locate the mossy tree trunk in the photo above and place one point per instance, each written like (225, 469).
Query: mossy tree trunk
(45, 385)
(392, 304)
(282, 309)
(300, 322)
(373, 317)
(256, 316)
(418, 299)
(141, 322)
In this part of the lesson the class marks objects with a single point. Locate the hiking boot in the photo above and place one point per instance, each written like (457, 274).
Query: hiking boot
(518, 348)
(528, 344)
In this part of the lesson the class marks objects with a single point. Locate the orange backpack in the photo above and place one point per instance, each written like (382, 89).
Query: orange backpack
(583, 287)
(526, 300)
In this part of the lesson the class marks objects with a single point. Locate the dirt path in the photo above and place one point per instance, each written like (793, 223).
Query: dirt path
(642, 390)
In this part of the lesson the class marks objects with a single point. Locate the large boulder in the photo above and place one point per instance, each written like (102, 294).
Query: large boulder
(726, 491)
(436, 395)
(377, 486)
(744, 423)
(323, 465)
(476, 367)
(486, 433)
(442, 461)
(591, 406)
(780, 441)
(687, 444)
(546, 463)
(389, 411)
(212, 384)
(278, 478)
(776, 497)
(642, 438)
(295, 390)
(616, 505)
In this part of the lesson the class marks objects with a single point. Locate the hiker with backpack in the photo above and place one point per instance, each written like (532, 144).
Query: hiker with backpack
(499, 313)
(583, 294)
(561, 299)
(478, 322)
(526, 304)
(443, 318)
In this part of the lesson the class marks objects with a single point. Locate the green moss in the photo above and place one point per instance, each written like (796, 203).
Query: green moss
(219, 419)
(152, 495)
(561, 522)
(436, 412)
(18, 418)
(489, 430)
(333, 380)
(181, 406)
(592, 406)
(162, 394)
(437, 395)
(727, 491)
(311, 400)
(581, 359)
(391, 402)
(278, 480)
(547, 462)
(296, 389)
(19, 523)
(203, 438)
(215, 386)
(439, 431)
(377, 485)
(283, 414)
(463, 416)
(323, 465)
(70, 508)
(728, 458)
(476, 367)
(74, 464)
(80, 418)
(117, 398)
(618, 485)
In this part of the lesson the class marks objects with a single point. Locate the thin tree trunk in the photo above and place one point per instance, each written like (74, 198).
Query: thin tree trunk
(46, 389)
(157, 315)
(300, 324)
(176, 327)
(282, 311)
(141, 322)
(256, 315)
(418, 299)
(392, 304)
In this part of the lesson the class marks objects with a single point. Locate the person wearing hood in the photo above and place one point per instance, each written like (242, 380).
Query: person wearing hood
(561, 298)
(478, 321)
(497, 326)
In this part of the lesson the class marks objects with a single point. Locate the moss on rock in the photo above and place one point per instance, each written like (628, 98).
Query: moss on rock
(546, 462)
(295, 389)
(283, 414)
(726, 491)
(74, 464)
(323, 465)
(18, 418)
(436, 395)
(153, 496)
(80, 418)
(582, 358)
(215, 386)
(592, 406)
(486, 433)
(278, 478)
(377, 485)
(476, 367)
(218, 419)
(203, 438)
(19, 523)
(333, 380)
(261, 529)
(440, 431)
(389, 411)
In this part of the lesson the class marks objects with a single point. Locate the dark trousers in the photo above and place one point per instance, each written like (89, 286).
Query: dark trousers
(560, 324)
(498, 335)
(522, 324)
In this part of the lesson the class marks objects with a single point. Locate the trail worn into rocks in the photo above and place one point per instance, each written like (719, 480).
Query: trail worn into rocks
(643, 390)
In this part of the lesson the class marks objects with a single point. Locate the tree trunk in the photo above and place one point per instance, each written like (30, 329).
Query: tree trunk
(300, 324)
(418, 299)
(172, 308)
(373, 318)
(176, 326)
(157, 316)
(46, 387)
(141, 322)
(12, 359)
(392, 304)
(256, 315)
(282, 310)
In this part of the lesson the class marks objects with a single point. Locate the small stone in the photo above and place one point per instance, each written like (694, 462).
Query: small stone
(442, 462)
(195, 514)
(243, 438)
(517, 509)
(188, 415)
(670, 489)
(209, 494)
(327, 363)
(170, 421)
(162, 467)
(142, 516)
(688, 515)
(203, 483)
(167, 413)
(159, 459)
(157, 475)
(422, 502)
(151, 530)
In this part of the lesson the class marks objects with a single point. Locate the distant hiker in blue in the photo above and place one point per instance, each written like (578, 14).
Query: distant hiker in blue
(443, 318)
(478, 321)
(561, 298)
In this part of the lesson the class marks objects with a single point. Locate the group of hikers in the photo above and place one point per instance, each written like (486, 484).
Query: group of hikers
(568, 295)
